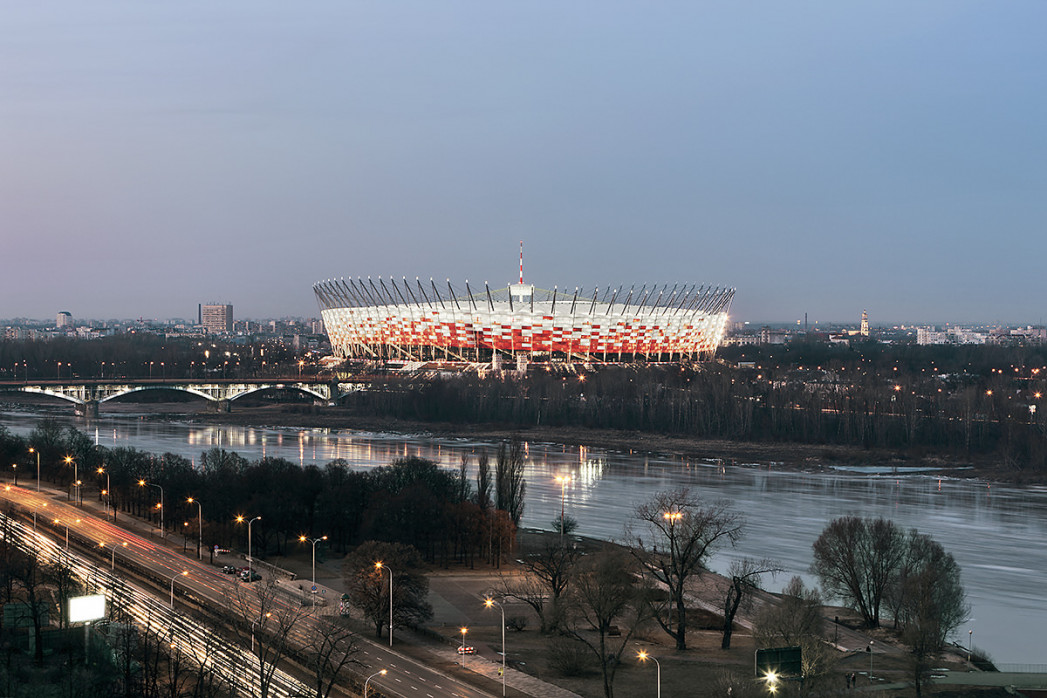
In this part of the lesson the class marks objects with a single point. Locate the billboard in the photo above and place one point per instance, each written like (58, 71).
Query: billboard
(86, 608)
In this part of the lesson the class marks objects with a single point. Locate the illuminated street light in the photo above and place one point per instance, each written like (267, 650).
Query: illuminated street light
(107, 492)
(69, 460)
(314, 541)
(33, 450)
(250, 559)
(643, 657)
(463, 631)
(489, 602)
(378, 566)
(200, 524)
(163, 529)
(181, 574)
(383, 672)
(261, 619)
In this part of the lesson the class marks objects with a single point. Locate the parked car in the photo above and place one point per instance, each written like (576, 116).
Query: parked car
(250, 576)
(230, 569)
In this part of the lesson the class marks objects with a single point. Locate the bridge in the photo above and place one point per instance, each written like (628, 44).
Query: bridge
(87, 395)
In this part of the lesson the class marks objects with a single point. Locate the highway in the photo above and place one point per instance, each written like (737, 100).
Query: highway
(206, 585)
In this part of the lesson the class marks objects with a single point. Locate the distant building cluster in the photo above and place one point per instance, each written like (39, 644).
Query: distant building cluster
(995, 335)
(212, 320)
(742, 334)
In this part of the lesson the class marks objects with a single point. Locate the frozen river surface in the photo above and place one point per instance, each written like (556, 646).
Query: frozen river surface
(998, 534)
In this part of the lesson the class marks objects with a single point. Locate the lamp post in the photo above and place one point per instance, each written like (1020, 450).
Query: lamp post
(200, 527)
(69, 460)
(314, 541)
(869, 649)
(563, 480)
(250, 560)
(464, 631)
(970, 647)
(181, 574)
(643, 657)
(33, 450)
(34, 516)
(261, 619)
(14, 467)
(488, 602)
(66, 523)
(108, 490)
(379, 566)
(143, 483)
(382, 672)
(672, 517)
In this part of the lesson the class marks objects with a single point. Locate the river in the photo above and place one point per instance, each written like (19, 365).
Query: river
(998, 534)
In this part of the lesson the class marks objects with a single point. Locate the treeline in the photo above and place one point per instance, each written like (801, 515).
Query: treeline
(413, 500)
(968, 402)
(144, 355)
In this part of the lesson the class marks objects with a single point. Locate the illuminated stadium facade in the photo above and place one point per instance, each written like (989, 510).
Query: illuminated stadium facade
(389, 320)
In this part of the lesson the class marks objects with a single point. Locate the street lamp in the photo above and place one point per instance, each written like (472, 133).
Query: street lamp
(464, 631)
(314, 541)
(672, 517)
(250, 560)
(163, 530)
(34, 516)
(383, 672)
(563, 480)
(378, 566)
(182, 574)
(107, 492)
(14, 467)
(970, 647)
(488, 602)
(200, 525)
(33, 450)
(66, 523)
(112, 561)
(76, 472)
(869, 649)
(261, 619)
(643, 657)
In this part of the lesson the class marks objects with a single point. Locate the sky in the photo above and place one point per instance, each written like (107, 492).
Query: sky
(819, 157)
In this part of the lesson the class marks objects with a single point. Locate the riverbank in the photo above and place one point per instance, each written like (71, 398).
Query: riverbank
(790, 456)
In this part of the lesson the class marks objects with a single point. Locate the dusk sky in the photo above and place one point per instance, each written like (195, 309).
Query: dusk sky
(821, 157)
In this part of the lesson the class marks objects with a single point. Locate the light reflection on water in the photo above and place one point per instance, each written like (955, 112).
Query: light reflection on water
(996, 533)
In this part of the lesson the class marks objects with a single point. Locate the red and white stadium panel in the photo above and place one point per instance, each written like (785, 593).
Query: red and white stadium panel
(423, 323)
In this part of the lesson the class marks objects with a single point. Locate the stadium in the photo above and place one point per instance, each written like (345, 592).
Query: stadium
(391, 321)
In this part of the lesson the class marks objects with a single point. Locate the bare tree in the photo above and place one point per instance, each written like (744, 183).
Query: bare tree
(332, 649)
(932, 602)
(679, 535)
(856, 560)
(368, 584)
(743, 582)
(267, 623)
(28, 573)
(544, 582)
(606, 596)
(510, 486)
(796, 620)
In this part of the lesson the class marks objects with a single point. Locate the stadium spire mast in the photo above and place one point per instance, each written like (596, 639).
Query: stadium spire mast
(521, 262)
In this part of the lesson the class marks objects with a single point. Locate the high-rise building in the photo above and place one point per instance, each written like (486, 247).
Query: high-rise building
(216, 319)
(64, 319)
(864, 330)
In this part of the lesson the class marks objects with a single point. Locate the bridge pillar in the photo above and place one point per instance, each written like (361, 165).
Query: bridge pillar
(222, 406)
(88, 409)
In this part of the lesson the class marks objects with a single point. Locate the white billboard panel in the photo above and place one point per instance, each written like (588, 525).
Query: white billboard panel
(86, 608)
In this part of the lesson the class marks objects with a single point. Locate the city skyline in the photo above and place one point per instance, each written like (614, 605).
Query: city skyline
(820, 159)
